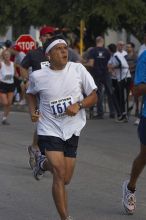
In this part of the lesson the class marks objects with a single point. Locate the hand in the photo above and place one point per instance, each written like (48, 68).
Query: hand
(35, 116)
(72, 110)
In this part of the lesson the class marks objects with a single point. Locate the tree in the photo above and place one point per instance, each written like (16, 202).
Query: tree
(99, 15)
(103, 14)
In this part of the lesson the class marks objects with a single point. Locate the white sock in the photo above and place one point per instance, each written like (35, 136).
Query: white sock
(4, 118)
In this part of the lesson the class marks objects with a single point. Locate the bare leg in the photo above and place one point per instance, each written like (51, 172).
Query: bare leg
(10, 96)
(70, 165)
(6, 100)
(35, 141)
(23, 91)
(62, 169)
(136, 106)
(138, 165)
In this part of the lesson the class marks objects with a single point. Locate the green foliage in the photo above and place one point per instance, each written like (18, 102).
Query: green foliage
(98, 14)
(114, 14)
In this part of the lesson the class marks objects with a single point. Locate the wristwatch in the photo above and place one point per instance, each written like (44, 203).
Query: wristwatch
(80, 105)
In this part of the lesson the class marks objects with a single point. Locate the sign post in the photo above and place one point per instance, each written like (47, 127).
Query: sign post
(26, 42)
(82, 26)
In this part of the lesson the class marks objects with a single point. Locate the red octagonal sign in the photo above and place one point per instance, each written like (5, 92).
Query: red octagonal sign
(26, 42)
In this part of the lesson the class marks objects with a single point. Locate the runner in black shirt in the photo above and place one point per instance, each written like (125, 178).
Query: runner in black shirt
(35, 60)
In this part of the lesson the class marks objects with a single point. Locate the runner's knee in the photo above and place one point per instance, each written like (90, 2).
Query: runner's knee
(58, 172)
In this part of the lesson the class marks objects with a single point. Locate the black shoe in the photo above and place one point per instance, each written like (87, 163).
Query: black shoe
(5, 122)
(136, 113)
(98, 117)
(122, 119)
(112, 116)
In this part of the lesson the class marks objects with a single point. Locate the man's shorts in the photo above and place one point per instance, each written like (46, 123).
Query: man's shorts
(51, 143)
(142, 130)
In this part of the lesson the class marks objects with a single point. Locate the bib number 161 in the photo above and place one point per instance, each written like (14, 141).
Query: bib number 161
(58, 107)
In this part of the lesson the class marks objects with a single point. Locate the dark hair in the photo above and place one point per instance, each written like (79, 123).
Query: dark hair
(112, 48)
(132, 44)
(49, 41)
(8, 43)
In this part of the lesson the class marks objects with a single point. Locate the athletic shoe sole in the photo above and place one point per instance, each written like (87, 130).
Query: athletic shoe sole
(32, 163)
(129, 212)
(32, 160)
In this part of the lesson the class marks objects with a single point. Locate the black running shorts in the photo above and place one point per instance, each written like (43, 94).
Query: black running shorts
(6, 88)
(142, 130)
(51, 143)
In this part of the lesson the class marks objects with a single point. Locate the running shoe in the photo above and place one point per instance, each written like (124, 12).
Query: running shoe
(22, 102)
(37, 171)
(129, 199)
(5, 122)
(69, 218)
(32, 157)
(137, 121)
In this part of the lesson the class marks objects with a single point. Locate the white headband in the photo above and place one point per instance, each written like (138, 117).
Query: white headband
(59, 41)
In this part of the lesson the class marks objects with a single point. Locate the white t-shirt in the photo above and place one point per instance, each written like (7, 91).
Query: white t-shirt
(57, 90)
(7, 73)
(123, 71)
(124, 53)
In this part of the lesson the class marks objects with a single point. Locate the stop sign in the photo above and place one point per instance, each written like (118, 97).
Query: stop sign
(26, 42)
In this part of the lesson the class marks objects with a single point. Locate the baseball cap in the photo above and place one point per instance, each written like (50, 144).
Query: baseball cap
(16, 47)
(47, 30)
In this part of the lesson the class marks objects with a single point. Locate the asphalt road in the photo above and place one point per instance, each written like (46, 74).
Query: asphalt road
(105, 154)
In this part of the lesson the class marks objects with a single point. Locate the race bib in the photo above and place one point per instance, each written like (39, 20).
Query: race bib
(8, 77)
(58, 107)
(44, 64)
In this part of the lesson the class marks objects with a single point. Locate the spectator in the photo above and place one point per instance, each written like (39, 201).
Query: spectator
(8, 44)
(98, 59)
(122, 73)
(112, 49)
(132, 60)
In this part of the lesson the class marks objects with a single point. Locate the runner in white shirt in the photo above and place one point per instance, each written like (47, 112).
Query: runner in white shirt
(61, 115)
(7, 86)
